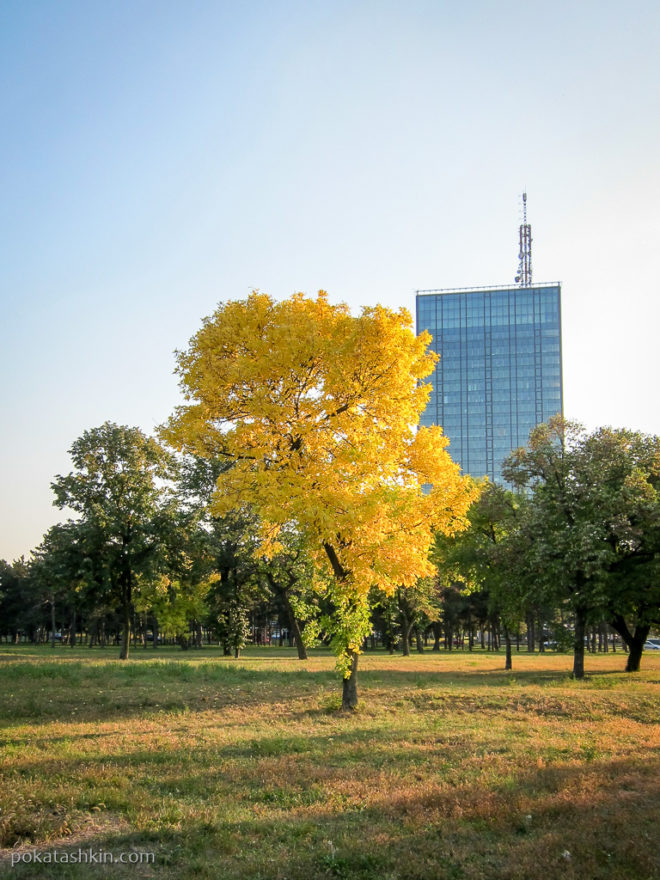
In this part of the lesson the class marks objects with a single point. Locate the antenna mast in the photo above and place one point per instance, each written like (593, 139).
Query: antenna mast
(524, 276)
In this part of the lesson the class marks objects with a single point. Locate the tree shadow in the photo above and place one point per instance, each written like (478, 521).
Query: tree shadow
(598, 820)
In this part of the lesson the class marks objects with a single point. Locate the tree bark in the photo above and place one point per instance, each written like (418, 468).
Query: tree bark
(636, 649)
(508, 663)
(126, 632)
(126, 615)
(52, 619)
(294, 627)
(406, 627)
(126, 605)
(349, 697)
(578, 646)
(634, 641)
(530, 633)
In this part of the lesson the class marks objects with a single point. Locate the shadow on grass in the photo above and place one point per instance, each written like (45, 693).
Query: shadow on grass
(77, 691)
(598, 821)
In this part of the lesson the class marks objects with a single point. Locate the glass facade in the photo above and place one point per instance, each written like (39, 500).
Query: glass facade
(499, 372)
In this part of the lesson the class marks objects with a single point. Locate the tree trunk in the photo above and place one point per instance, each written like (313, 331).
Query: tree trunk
(437, 634)
(72, 630)
(508, 664)
(126, 612)
(637, 648)
(406, 626)
(530, 633)
(294, 627)
(126, 631)
(418, 641)
(52, 619)
(349, 697)
(633, 641)
(578, 646)
(155, 629)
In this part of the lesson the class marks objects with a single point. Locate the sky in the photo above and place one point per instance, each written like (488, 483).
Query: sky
(159, 157)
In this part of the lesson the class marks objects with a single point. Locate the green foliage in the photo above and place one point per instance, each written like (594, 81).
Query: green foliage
(484, 561)
(19, 598)
(119, 489)
(591, 530)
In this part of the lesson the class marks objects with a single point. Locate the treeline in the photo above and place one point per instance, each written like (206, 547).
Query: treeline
(575, 547)
(146, 561)
(565, 561)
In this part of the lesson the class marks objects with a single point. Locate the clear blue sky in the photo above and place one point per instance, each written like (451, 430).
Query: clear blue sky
(158, 157)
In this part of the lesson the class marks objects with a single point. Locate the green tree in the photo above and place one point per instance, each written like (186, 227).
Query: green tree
(62, 570)
(118, 489)
(17, 600)
(590, 534)
(223, 553)
(292, 579)
(484, 559)
(623, 469)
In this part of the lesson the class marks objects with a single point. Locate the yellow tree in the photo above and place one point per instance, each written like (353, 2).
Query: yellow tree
(317, 412)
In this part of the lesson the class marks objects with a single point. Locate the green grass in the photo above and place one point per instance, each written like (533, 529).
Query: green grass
(451, 767)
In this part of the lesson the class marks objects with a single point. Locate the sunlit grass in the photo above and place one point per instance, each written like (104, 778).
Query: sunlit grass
(245, 769)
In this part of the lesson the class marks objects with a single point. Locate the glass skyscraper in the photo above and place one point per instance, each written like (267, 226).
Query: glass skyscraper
(499, 372)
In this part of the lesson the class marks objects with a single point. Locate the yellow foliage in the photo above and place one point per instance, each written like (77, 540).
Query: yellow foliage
(317, 412)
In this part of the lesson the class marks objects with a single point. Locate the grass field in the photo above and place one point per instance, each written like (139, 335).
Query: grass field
(451, 768)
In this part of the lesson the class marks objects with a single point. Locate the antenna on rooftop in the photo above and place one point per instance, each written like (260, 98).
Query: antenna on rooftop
(524, 276)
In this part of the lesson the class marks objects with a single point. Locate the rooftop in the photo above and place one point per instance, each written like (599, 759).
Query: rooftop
(479, 289)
